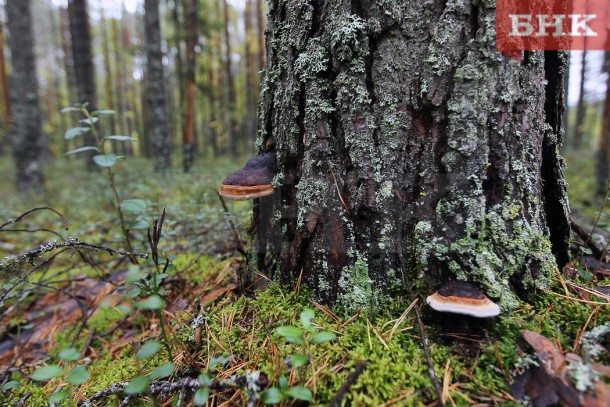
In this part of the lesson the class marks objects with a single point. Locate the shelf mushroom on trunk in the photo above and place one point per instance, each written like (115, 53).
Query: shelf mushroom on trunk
(461, 297)
(252, 181)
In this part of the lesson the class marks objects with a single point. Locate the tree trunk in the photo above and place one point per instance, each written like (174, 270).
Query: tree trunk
(6, 100)
(108, 85)
(401, 133)
(578, 131)
(179, 65)
(250, 128)
(158, 112)
(27, 137)
(260, 25)
(189, 125)
(80, 35)
(603, 153)
(233, 132)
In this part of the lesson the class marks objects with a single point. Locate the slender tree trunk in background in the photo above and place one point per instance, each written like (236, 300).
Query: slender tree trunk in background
(191, 59)
(212, 98)
(603, 153)
(108, 85)
(158, 112)
(64, 27)
(131, 100)
(233, 131)
(58, 84)
(178, 37)
(123, 125)
(578, 130)
(250, 131)
(260, 25)
(26, 136)
(68, 64)
(401, 133)
(80, 35)
(6, 99)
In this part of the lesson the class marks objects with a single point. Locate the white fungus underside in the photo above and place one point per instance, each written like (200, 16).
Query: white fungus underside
(486, 310)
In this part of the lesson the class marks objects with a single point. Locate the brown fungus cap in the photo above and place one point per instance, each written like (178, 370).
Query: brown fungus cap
(252, 181)
(460, 297)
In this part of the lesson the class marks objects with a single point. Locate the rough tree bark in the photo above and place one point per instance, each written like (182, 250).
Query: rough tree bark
(401, 133)
(80, 36)
(27, 138)
(158, 110)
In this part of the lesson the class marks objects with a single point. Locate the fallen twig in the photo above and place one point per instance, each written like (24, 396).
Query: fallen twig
(13, 264)
(586, 238)
(41, 208)
(253, 381)
(336, 401)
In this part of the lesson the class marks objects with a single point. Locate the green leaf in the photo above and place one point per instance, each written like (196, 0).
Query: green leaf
(133, 205)
(78, 375)
(297, 340)
(47, 373)
(204, 379)
(289, 331)
(13, 384)
(157, 279)
(90, 122)
(153, 302)
(219, 360)
(69, 354)
(140, 224)
(121, 138)
(106, 160)
(299, 393)
(134, 273)
(298, 360)
(81, 149)
(162, 371)
(201, 396)
(585, 274)
(98, 112)
(134, 292)
(76, 131)
(138, 384)
(69, 109)
(322, 337)
(149, 349)
(306, 316)
(272, 396)
(58, 396)
(283, 383)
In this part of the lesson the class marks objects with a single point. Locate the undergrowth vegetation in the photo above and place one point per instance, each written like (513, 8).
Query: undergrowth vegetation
(84, 327)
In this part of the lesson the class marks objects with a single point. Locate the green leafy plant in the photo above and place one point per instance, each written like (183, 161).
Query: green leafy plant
(105, 159)
(304, 337)
(74, 375)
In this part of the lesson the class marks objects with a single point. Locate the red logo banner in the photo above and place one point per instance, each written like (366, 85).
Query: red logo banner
(525, 25)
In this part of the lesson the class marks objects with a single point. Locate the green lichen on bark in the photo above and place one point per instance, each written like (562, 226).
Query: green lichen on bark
(402, 133)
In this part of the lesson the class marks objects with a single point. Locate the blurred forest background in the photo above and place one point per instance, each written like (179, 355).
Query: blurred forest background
(211, 59)
(182, 78)
(212, 54)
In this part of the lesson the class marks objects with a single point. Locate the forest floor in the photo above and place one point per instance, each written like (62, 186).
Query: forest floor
(83, 326)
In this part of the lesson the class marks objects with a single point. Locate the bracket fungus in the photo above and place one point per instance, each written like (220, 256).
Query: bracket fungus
(461, 297)
(252, 181)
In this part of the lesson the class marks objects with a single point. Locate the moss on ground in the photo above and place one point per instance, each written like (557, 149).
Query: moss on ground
(478, 363)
